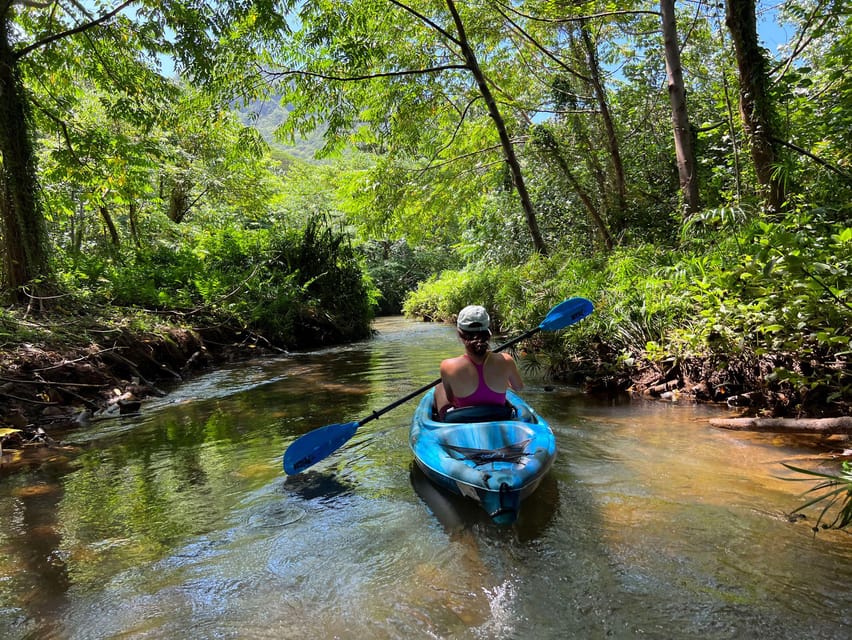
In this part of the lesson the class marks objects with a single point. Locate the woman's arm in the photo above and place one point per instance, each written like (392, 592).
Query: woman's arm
(513, 376)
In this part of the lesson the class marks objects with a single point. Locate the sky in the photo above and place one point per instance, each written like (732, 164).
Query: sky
(772, 35)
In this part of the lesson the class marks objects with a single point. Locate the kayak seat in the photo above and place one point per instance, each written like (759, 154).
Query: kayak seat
(480, 413)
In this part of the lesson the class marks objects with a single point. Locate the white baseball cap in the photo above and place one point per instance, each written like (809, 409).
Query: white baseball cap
(473, 318)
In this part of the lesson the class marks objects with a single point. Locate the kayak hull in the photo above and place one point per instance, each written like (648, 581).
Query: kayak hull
(496, 463)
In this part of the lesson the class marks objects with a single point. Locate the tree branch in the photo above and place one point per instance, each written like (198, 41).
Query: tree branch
(428, 22)
(822, 284)
(70, 32)
(801, 42)
(369, 76)
(463, 156)
(188, 207)
(541, 48)
(807, 153)
(826, 426)
(63, 126)
(585, 18)
(459, 124)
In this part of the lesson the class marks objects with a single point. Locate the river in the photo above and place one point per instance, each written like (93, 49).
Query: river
(180, 523)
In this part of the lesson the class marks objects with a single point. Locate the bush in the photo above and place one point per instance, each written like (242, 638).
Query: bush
(298, 287)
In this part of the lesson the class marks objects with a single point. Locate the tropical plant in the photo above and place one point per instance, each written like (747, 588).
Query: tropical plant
(836, 492)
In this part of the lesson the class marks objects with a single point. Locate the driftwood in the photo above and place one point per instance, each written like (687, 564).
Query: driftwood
(820, 426)
(660, 388)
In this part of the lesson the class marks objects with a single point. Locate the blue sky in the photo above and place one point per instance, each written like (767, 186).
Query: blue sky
(772, 34)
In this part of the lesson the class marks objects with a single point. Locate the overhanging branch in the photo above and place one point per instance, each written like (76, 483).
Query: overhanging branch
(70, 32)
(584, 18)
(816, 159)
(542, 48)
(368, 76)
(63, 127)
(434, 25)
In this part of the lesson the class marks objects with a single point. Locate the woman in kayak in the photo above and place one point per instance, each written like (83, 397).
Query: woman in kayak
(479, 376)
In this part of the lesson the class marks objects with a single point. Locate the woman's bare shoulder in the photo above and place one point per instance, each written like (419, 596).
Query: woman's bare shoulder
(452, 363)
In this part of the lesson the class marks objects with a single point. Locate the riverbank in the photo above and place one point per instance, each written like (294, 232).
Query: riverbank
(769, 385)
(63, 369)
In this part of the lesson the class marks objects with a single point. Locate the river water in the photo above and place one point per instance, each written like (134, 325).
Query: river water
(180, 523)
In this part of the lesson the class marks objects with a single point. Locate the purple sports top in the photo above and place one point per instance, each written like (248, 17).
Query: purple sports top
(483, 393)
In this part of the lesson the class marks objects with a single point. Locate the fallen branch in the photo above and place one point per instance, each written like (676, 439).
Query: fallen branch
(660, 388)
(29, 400)
(80, 359)
(47, 383)
(822, 426)
(117, 357)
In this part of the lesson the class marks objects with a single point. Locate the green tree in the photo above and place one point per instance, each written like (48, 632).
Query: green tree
(757, 107)
(124, 172)
(421, 79)
(113, 50)
(814, 92)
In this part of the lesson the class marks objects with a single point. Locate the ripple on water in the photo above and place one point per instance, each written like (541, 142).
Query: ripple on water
(275, 515)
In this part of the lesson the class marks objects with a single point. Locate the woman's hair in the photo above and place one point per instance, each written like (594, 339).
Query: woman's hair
(476, 341)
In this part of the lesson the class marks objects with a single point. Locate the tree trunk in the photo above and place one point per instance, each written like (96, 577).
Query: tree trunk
(113, 232)
(548, 143)
(133, 215)
(609, 126)
(591, 209)
(756, 108)
(505, 141)
(25, 239)
(684, 150)
(178, 201)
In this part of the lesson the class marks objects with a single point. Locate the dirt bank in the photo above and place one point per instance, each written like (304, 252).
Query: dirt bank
(70, 371)
(767, 386)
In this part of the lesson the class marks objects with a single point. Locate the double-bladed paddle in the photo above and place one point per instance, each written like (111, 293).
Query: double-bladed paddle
(321, 443)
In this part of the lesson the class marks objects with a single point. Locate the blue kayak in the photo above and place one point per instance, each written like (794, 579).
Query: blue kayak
(496, 462)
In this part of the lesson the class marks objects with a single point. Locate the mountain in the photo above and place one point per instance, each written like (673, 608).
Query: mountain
(266, 116)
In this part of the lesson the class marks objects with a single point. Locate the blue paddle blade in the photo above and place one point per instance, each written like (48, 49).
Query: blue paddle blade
(567, 313)
(316, 445)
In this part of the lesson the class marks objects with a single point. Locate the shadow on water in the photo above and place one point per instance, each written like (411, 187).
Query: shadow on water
(315, 485)
(457, 513)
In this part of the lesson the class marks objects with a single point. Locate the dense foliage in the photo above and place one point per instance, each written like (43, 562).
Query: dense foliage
(297, 287)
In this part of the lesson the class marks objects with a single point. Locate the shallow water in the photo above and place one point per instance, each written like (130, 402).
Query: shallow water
(180, 523)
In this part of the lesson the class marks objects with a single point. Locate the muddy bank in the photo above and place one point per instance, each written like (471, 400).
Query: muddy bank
(49, 386)
(767, 386)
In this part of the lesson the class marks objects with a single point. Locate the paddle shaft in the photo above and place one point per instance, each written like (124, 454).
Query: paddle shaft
(423, 389)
